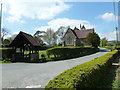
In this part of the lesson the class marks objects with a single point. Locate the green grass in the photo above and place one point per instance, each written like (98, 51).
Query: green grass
(5, 48)
(116, 83)
(4, 61)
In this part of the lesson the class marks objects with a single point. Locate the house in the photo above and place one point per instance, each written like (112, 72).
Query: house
(25, 42)
(76, 37)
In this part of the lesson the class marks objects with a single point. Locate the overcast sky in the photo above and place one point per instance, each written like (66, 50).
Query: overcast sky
(32, 15)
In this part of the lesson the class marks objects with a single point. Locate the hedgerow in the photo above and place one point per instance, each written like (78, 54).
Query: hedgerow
(70, 52)
(110, 47)
(7, 54)
(86, 75)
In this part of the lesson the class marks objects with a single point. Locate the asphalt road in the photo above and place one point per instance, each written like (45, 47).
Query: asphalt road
(22, 75)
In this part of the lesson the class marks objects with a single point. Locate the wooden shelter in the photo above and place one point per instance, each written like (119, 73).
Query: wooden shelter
(25, 47)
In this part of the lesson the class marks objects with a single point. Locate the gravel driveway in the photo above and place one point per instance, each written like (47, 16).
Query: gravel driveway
(22, 75)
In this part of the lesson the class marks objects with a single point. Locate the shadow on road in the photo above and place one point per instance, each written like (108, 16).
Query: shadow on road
(104, 50)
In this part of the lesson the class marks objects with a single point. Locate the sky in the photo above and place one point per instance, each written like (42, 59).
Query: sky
(32, 15)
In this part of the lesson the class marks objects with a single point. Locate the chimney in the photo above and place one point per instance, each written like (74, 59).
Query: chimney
(83, 27)
(80, 26)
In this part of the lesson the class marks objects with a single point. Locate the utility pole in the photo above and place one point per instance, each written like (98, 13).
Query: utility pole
(116, 37)
(0, 22)
(0, 30)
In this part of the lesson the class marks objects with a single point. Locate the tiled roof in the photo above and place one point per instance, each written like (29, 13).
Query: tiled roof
(83, 33)
(23, 38)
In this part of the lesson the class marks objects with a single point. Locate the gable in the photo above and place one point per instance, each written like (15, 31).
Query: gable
(24, 38)
(70, 32)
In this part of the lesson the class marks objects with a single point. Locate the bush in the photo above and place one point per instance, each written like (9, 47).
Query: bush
(86, 75)
(110, 47)
(43, 57)
(70, 52)
(7, 54)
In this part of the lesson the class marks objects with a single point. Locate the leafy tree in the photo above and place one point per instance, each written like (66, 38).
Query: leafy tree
(103, 42)
(93, 39)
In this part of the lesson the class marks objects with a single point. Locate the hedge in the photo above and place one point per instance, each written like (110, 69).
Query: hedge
(70, 52)
(7, 54)
(86, 75)
(111, 47)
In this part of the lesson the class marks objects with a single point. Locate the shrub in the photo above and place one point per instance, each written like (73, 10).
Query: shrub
(86, 75)
(43, 57)
(111, 47)
(7, 54)
(70, 52)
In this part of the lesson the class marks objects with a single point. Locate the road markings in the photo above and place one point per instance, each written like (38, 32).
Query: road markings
(33, 86)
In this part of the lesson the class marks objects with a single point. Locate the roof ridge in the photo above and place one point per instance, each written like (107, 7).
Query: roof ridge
(25, 33)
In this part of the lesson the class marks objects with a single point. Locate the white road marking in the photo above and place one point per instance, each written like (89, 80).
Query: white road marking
(33, 86)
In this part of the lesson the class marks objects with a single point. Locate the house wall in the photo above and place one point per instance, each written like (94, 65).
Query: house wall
(69, 38)
(77, 42)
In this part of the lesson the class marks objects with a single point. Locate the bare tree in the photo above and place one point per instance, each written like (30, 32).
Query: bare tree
(4, 33)
(60, 33)
(50, 37)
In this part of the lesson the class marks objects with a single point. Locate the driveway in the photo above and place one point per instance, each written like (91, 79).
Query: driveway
(22, 75)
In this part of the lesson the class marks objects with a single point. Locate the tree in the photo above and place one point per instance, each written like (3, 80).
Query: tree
(103, 42)
(4, 32)
(50, 37)
(60, 33)
(93, 39)
(6, 42)
(38, 35)
(11, 38)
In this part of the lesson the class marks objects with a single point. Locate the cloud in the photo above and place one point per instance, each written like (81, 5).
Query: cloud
(56, 23)
(17, 32)
(34, 9)
(108, 17)
(12, 19)
(109, 35)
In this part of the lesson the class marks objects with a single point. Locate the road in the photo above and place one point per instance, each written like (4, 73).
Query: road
(22, 75)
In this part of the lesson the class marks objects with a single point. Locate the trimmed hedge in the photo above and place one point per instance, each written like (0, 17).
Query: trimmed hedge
(111, 47)
(86, 75)
(70, 52)
(7, 54)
